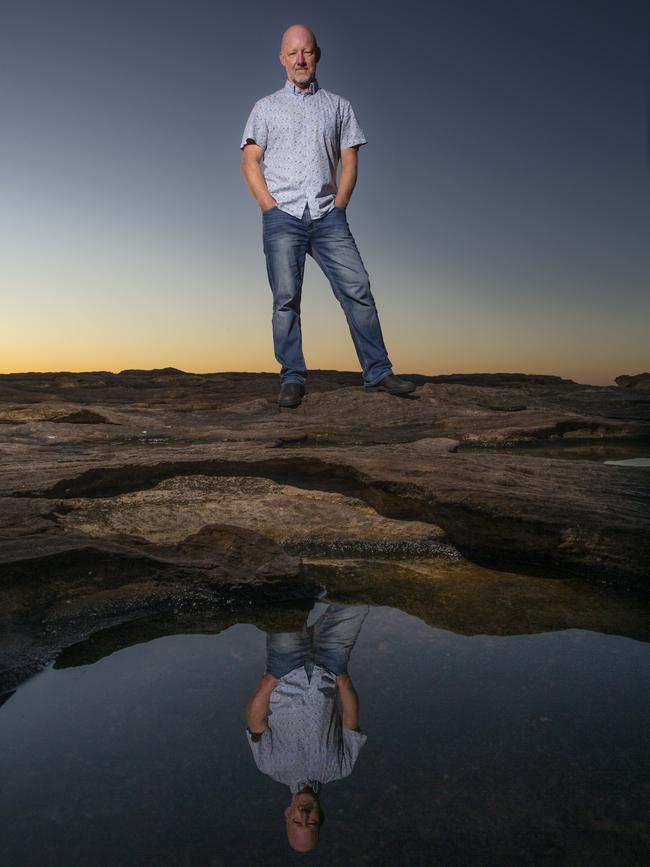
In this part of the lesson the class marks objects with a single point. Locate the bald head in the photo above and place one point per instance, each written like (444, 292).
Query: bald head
(303, 819)
(300, 32)
(299, 54)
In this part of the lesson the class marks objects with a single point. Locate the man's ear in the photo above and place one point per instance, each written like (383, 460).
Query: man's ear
(318, 54)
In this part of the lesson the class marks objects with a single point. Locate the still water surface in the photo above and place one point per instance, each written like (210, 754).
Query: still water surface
(627, 452)
(481, 749)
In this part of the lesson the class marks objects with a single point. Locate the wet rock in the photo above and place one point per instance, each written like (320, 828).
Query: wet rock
(56, 587)
(456, 597)
(470, 600)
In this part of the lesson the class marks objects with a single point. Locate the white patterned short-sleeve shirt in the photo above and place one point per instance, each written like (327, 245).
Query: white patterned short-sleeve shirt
(302, 135)
(304, 742)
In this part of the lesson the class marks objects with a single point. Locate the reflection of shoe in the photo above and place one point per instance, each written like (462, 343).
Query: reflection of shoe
(290, 394)
(393, 385)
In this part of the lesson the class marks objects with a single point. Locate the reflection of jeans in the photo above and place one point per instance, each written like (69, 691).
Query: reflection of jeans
(327, 643)
(329, 241)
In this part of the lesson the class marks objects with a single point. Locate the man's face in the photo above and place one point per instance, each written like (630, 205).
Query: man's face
(299, 57)
(302, 818)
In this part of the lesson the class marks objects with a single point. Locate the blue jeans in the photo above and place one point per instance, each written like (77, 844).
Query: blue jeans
(329, 241)
(327, 643)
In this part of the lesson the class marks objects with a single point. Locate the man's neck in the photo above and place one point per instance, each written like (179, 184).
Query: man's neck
(304, 88)
(308, 789)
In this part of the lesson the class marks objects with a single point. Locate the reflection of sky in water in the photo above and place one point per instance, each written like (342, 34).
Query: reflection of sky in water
(632, 452)
(481, 749)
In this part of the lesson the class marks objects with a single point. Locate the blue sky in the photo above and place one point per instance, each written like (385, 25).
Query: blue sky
(502, 207)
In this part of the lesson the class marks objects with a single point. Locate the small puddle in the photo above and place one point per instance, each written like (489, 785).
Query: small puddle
(502, 720)
(604, 452)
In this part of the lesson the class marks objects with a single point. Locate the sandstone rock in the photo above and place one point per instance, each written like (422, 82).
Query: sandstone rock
(182, 488)
(301, 520)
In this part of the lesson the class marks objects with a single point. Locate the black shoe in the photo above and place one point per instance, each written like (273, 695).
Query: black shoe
(393, 385)
(290, 394)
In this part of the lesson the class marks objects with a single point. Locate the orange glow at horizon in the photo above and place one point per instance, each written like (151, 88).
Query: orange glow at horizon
(338, 357)
(195, 326)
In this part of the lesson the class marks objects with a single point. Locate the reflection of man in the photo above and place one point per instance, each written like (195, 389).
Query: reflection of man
(303, 718)
(292, 145)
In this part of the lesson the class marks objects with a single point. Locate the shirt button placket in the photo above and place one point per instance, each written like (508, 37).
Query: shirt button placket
(306, 122)
(303, 143)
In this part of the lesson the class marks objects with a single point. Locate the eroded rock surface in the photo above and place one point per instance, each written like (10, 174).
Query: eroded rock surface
(296, 518)
(71, 584)
(161, 485)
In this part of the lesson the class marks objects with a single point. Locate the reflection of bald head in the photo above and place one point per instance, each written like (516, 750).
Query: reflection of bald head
(302, 839)
(297, 31)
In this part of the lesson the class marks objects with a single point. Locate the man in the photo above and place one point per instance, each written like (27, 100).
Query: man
(299, 134)
(303, 718)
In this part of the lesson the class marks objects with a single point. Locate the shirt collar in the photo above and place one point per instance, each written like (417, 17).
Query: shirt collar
(300, 785)
(313, 87)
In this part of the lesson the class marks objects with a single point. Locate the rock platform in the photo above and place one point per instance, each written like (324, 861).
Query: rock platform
(121, 493)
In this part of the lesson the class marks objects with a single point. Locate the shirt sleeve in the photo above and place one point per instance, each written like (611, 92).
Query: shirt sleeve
(352, 744)
(261, 749)
(351, 132)
(255, 131)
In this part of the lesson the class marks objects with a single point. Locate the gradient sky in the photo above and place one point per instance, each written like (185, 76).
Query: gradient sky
(502, 207)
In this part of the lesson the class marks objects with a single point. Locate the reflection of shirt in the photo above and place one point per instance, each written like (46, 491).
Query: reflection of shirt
(304, 741)
(302, 135)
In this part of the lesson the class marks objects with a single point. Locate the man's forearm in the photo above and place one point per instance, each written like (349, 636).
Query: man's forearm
(349, 702)
(257, 708)
(256, 183)
(347, 182)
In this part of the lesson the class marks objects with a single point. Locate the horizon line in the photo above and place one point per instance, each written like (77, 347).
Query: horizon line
(179, 371)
